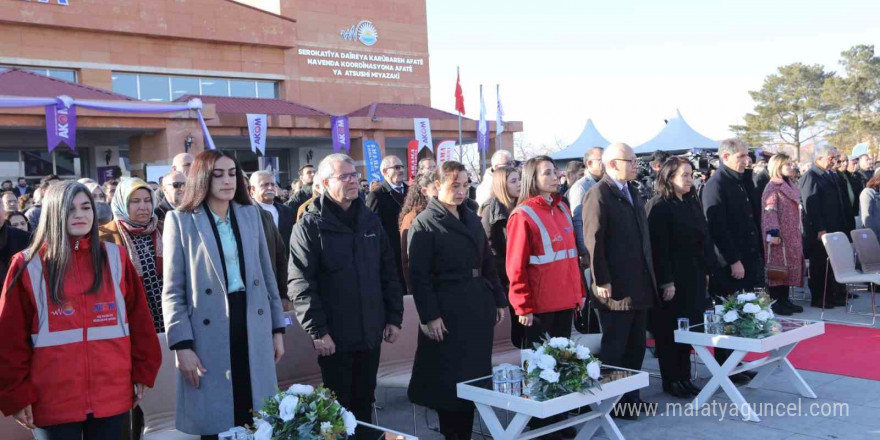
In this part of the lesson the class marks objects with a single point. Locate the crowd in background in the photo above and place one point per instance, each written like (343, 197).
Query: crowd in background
(212, 258)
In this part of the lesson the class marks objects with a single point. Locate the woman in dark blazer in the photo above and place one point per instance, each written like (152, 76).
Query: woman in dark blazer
(683, 259)
(493, 215)
(459, 300)
(223, 315)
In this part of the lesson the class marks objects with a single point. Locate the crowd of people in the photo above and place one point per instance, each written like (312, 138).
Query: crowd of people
(210, 259)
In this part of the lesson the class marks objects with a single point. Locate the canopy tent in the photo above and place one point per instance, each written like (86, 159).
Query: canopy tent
(589, 138)
(677, 135)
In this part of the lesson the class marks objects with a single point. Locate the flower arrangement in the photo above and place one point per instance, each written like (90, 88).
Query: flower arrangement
(303, 412)
(558, 367)
(748, 315)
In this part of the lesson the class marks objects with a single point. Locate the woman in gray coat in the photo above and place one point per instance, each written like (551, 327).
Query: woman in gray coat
(223, 315)
(869, 205)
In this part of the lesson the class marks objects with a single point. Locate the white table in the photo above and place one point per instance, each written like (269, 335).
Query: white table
(778, 344)
(615, 383)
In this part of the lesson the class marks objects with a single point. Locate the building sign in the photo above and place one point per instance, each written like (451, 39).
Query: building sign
(60, 2)
(364, 32)
(361, 64)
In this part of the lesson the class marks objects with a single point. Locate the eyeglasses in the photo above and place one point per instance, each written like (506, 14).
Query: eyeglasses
(626, 160)
(177, 185)
(348, 177)
(397, 167)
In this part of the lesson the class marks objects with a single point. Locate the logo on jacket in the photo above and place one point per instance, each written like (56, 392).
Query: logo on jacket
(65, 310)
(557, 239)
(104, 307)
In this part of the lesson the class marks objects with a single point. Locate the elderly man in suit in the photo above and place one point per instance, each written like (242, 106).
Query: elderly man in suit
(619, 246)
(386, 201)
(823, 211)
(262, 190)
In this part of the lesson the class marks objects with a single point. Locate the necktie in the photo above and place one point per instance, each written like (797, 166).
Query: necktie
(626, 194)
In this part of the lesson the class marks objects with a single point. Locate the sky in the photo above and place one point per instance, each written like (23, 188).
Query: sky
(629, 65)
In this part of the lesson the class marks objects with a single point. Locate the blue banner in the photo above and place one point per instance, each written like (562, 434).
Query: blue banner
(372, 161)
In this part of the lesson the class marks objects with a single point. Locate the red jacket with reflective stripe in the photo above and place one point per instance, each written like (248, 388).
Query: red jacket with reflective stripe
(82, 362)
(542, 261)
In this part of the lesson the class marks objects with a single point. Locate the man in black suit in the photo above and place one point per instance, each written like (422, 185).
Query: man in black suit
(866, 169)
(387, 200)
(262, 189)
(297, 198)
(733, 211)
(823, 212)
(619, 246)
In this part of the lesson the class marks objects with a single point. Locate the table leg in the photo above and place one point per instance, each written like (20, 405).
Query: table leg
(796, 379)
(766, 370)
(604, 421)
(514, 429)
(720, 378)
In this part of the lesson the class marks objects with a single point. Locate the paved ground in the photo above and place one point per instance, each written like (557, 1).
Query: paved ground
(855, 401)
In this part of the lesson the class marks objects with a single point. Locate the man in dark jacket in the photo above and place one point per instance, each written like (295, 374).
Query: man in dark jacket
(733, 211)
(851, 186)
(866, 169)
(12, 241)
(343, 280)
(173, 185)
(262, 190)
(298, 198)
(387, 200)
(761, 179)
(823, 212)
(277, 253)
(617, 241)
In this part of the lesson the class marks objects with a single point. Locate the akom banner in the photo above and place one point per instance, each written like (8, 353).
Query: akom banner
(422, 127)
(340, 134)
(257, 132)
(61, 125)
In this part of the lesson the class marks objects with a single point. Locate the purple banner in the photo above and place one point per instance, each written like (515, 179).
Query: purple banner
(339, 132)
(61, 126)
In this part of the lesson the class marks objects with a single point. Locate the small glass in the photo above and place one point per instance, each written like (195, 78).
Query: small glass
(716, 326)
(707, 319)
(684, 324)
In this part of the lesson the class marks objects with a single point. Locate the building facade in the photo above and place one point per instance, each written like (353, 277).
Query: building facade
(298, 61)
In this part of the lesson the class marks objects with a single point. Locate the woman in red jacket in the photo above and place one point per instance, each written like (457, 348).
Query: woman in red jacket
(542, 260)
(78, 339)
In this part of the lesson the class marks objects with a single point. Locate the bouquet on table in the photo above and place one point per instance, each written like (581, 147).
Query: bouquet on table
(558, 367)
(748, 315)
(303, 412)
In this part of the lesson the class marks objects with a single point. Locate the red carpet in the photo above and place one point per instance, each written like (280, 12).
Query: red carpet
(843, 349)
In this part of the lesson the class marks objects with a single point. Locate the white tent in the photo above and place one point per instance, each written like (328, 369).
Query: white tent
(589, 138)
(677, 135)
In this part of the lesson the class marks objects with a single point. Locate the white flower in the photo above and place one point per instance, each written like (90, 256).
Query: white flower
(593, 369)
(546, 362)
(731, 316)
(300, 390)
(746, 297)
(326, 427)
(751, 308)
(350, 422)
(559, 343)
(287, 408)
(770, 314)
(762, 316)
(540, 350)
(550, 376)
(264, 430)
(582, 353)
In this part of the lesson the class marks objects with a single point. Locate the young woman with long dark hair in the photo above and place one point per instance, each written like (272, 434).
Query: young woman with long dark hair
(223, 314)
(78, 341)
(422, 190)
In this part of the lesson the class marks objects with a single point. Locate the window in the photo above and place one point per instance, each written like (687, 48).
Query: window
(182, 85)
(265, 89)
(125, 84)
(164, 88)
(242, 89)
(9, 164)
(62, 74)
(154, 88)
(39, 163)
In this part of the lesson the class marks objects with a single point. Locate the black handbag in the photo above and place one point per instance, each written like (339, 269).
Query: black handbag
(586, 321)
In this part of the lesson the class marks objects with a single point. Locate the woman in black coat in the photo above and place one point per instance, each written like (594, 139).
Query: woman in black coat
(494, 213)
(683, 255)
(459, 300)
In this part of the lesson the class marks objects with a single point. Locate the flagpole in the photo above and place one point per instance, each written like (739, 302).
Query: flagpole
(482, 121)
(497, 105)
(460, 148)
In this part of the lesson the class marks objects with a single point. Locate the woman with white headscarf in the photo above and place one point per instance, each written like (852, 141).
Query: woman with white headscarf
(135, 226)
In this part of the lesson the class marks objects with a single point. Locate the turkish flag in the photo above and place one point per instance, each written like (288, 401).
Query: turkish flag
(459, 97)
